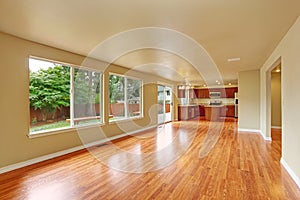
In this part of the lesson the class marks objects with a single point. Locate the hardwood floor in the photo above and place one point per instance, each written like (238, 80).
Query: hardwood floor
(187, 160)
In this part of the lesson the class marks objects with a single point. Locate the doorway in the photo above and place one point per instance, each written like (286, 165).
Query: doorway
(165, 104)
(276, 104)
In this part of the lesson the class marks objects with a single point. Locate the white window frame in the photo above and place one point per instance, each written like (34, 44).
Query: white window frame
(126, 117)
(72, 125)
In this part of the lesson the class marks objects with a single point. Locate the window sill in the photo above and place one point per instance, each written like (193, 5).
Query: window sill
(125, 120)
(62, 130)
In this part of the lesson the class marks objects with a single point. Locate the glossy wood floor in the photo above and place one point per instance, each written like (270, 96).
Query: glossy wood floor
(187, 160)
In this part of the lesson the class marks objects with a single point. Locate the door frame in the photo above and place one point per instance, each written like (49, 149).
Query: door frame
(172, 96)
(266, 114)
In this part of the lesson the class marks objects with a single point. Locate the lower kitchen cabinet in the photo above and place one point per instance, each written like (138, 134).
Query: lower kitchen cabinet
(227, 111)
(201, 110)
(230, 111)
(186, 112)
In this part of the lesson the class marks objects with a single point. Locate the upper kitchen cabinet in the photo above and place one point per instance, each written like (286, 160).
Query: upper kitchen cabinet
(221, 90)
(192, 94)
(230, 92)
(181, 93)
(201, 93)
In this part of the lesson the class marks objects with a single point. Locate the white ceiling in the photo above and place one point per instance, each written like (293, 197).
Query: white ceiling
(226, 29)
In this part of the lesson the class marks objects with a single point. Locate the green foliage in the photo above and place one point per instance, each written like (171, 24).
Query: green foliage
(55, 125)
(86, 87)
(116, 88)
(34, 120)
(50, 89)
(86, 92)
(133, 88)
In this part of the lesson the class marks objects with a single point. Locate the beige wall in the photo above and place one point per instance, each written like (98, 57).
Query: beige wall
(276, 99)
(288, 53)
(15, 145)
(249, 97)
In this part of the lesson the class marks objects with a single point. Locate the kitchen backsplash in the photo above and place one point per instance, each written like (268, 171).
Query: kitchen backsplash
(225, 101)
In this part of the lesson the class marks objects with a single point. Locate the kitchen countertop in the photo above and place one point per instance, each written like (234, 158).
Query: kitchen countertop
(214, 106)
(187, 105)
(181, 105)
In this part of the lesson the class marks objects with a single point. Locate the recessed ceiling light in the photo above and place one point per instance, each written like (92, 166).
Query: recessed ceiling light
(277, 70)
(233, 59)
(229, 83)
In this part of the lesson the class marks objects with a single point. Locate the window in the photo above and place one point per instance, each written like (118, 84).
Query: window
(86, 97)
(53, 106)
(125, 97)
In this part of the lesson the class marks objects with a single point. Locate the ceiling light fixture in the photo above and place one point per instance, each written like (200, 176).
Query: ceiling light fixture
(277, 70)
(233, 59)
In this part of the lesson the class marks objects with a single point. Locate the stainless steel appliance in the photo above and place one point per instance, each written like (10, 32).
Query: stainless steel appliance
(215, 102)
(236, 107)
(214, 95)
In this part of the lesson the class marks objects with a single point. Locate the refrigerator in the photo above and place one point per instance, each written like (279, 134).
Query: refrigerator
(236, 105)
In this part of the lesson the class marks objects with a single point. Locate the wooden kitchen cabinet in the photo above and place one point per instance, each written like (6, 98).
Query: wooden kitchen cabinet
(197, 93)
(223, 111)
(224, 92)
(230, 92)
(202, 93)
(227, 111)
(186, 112)
(213, 113)
(192, 94)
(181, 93)
(230, 111)
(183, 113)
(201, 110)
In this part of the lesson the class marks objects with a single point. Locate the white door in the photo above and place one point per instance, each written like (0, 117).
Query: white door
(168, 104)
(164, 104)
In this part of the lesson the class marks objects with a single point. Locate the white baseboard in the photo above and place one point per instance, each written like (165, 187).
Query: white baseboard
(64, 152)
(249, 130)
(38, 159)
(256, 131)
(290, 171)
(265, 138)
(276, 127)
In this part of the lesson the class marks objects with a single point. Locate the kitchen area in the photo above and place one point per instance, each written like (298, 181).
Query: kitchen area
(211, 103)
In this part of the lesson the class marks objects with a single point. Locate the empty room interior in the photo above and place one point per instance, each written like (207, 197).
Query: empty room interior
(149, 99)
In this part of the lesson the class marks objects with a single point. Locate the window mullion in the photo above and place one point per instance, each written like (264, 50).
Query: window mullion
(125, 98)
(101, 78)
(72, 96)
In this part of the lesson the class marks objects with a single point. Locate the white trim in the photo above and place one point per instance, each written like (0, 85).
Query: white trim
(50, 132)
(38, 159)
(62, 130)
(163, 84)
(276, 127)
(64, 152)
(255, 131)
(121, 120)
(290, 171)
(72, 89)
(71, 126)
(249, 130)
(266, 138)
(141, 104)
